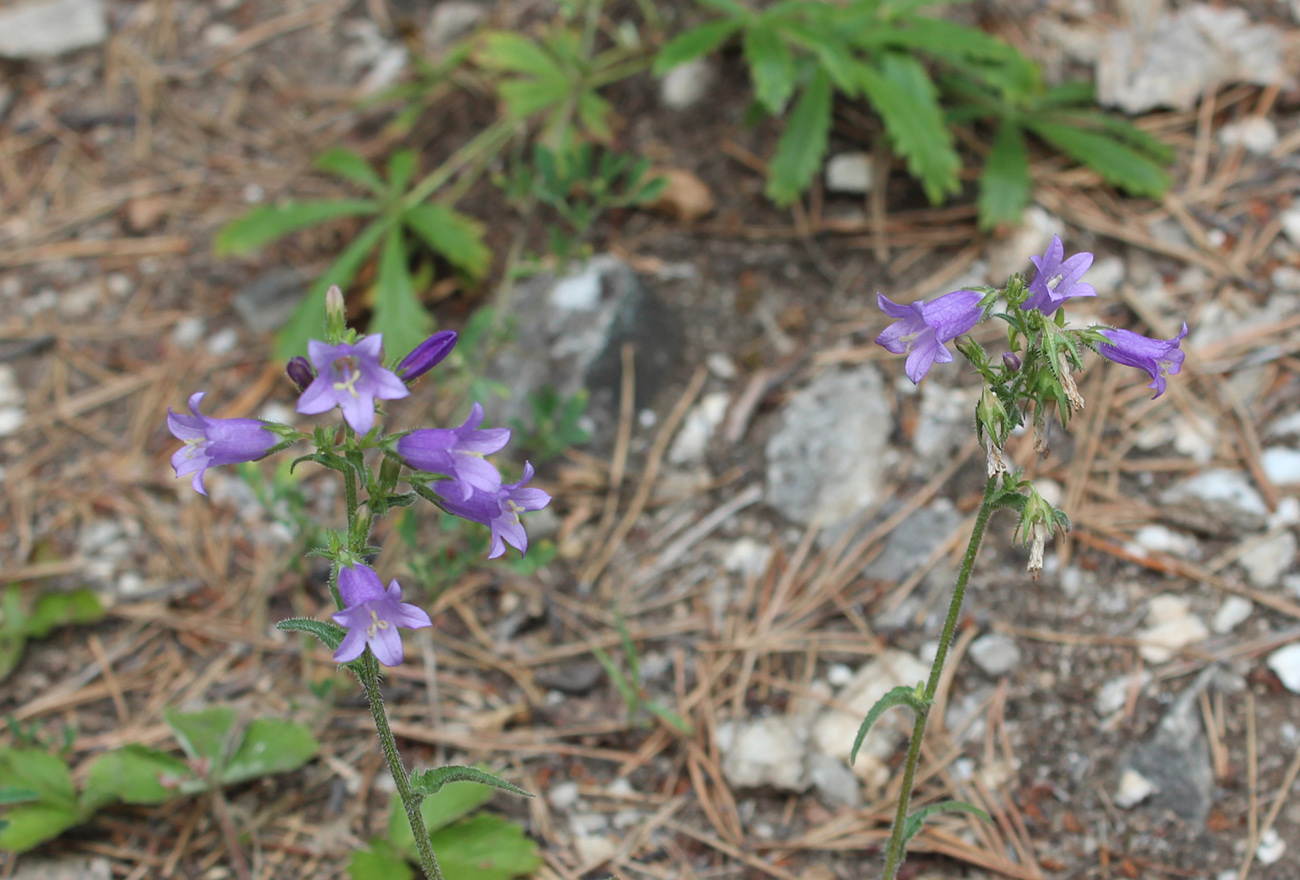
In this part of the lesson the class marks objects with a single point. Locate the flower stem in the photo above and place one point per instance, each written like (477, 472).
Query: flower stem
(368, 672)
(895, 848)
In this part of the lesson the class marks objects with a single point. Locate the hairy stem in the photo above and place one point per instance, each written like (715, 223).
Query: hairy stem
(894, 849)
(368, 673)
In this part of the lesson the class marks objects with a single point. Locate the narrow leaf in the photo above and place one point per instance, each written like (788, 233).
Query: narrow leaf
(11, 794)
(803, 143)
(330, 633)
(457, 237)
(398, 313)
(1117, 164)
(430, 782)
(1004, 182)
(400, 168)
(348, 165)
(899, 696)
(916, 821)
(693, 43)
(524, 97)
(902, 93)
(771, 66)
(264, 225)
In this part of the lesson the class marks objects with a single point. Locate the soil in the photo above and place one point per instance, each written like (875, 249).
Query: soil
(119, 163)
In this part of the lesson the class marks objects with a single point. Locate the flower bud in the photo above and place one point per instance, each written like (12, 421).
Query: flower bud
(1011, 362)
(300, 371)
(427, 355)
(336, 316)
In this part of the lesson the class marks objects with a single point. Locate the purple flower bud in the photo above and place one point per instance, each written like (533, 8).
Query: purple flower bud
(922, 328)
(300, 371)
(211, 442)
(427, 355)
(372, 616)
(1010, 361)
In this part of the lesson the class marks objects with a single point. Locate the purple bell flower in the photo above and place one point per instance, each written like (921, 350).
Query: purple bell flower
(211, 442)
(922, 328)
(1159, 357)
(499, 510)
(1058, 278)
(427, 355)
(351, 377)
(372, 616)
(458, 453)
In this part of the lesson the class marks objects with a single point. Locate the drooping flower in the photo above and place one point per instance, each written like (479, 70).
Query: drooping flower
(922, 328)
(300, 372)
(427, 355)
(1159, 357)
(1058, 278)
(458, 453)
(351, 377)
(500, 509)
(211, 442)
(372, 616)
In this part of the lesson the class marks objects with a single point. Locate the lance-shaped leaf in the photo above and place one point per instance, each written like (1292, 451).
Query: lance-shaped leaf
(348, 165)
(902, 93)
(693, 43)
(771, 66)
(803, 143)
(330, 633)
(916, 821)
(1116, 162)
(1004, 183)
(430, 782)
(899, 696)
(398, 314)
(457, 237)
(261, 226)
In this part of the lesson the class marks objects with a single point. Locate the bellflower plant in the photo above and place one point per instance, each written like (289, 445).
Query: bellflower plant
(1033, 376)
(447, 467)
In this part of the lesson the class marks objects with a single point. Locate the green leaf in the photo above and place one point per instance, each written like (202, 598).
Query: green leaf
(330, 633)
(207, 734)
(693, 43)
(40, 772)
(803, 143)
(899, 696)
(11, 651)
(135, 774)
(380, 862)
(348, 165)
(915, 821)
(455, 801)
(506, 51)
(902, 93)
(458, 237)
(593, 113)
(524, 97)
(675, 721)
(430, 782)
(771, 66)
(1119, 165)
(32, 824)
(11, 794)
(308, 319)
(401, 166)
(398, 313)
(485, 847)
(264, 225)
(835, 58)
(1120, 129)
(63, 609)
(270, 745)
(1004, 182)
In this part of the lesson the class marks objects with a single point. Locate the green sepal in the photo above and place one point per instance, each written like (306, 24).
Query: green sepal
(899, 696)
(915, 821)
(330, 634)
(429, 782)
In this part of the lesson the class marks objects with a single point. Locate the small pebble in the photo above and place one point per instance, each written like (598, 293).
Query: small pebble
(563, 795)
(1285, 663)
(686, 84)
(850, 173)
(1133, 789)
(1281, 465)
(1291, 225)
(223, 342)
(995, 653)
(1233, 611)
(1271, 847)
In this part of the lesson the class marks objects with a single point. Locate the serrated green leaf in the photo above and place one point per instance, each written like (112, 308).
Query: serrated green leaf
(593, 113)
(509, 52)
(1075, 92)
(803, 143)
(916, 821)
(835, 58)
(485, 847)
(261, 226)
(902, 93)
(380, 862)
(63, 609)
(32, 824)
(456, 800)
(308, 319)
(694, 43)
(1118, 164)
(348, 165)
(1115, 127)
(398, 314)
(899, 696)
(270, 745)
(329, 633)
(430, 782)
(458, 237)
(1004, 182)
(135, 774)
(208, 734)
(771, 67)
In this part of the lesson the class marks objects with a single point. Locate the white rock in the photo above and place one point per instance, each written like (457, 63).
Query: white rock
(995, 653)
(79, 301)
(1285, 663)
(747, 557)
(1281, 465)
(1286, 278)
(720, 365)
(839, 675)
(10, 393)
(219, 34)
(835, 728)
(563, 795)
(850, 173)
(1287, 513)
(1173, 626)
(1160, 539)
(11, 419)
(43, 28)
(765, 751)
(1165, 607)
(1219, 487)
(1134, 788)
(1266, 561)
(1196, 437)
(692, 441)
(1291, 225)
(943, 421)
(686, 84)
(594, 848)
(1233, 611)
(1271, 847)
(451, 20)
(187, 332)
(1112, 695)
(223, 342)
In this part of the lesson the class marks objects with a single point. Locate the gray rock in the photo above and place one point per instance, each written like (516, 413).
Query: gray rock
(1266, 561)
(1258, 134)
(576, 678)
(1182, 55)
(687, 84)
(834, 781)
(80, 868)
(569, 335)
(945, 422)
(265, 305)
(828, 454)
(1233, 611)
(45, 28)
(914, 540)
(995, 653)
(1217, 502)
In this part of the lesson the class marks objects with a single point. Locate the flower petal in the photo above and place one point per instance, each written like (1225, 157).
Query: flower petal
(387, 646)
(359, 584)
(352, 646)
